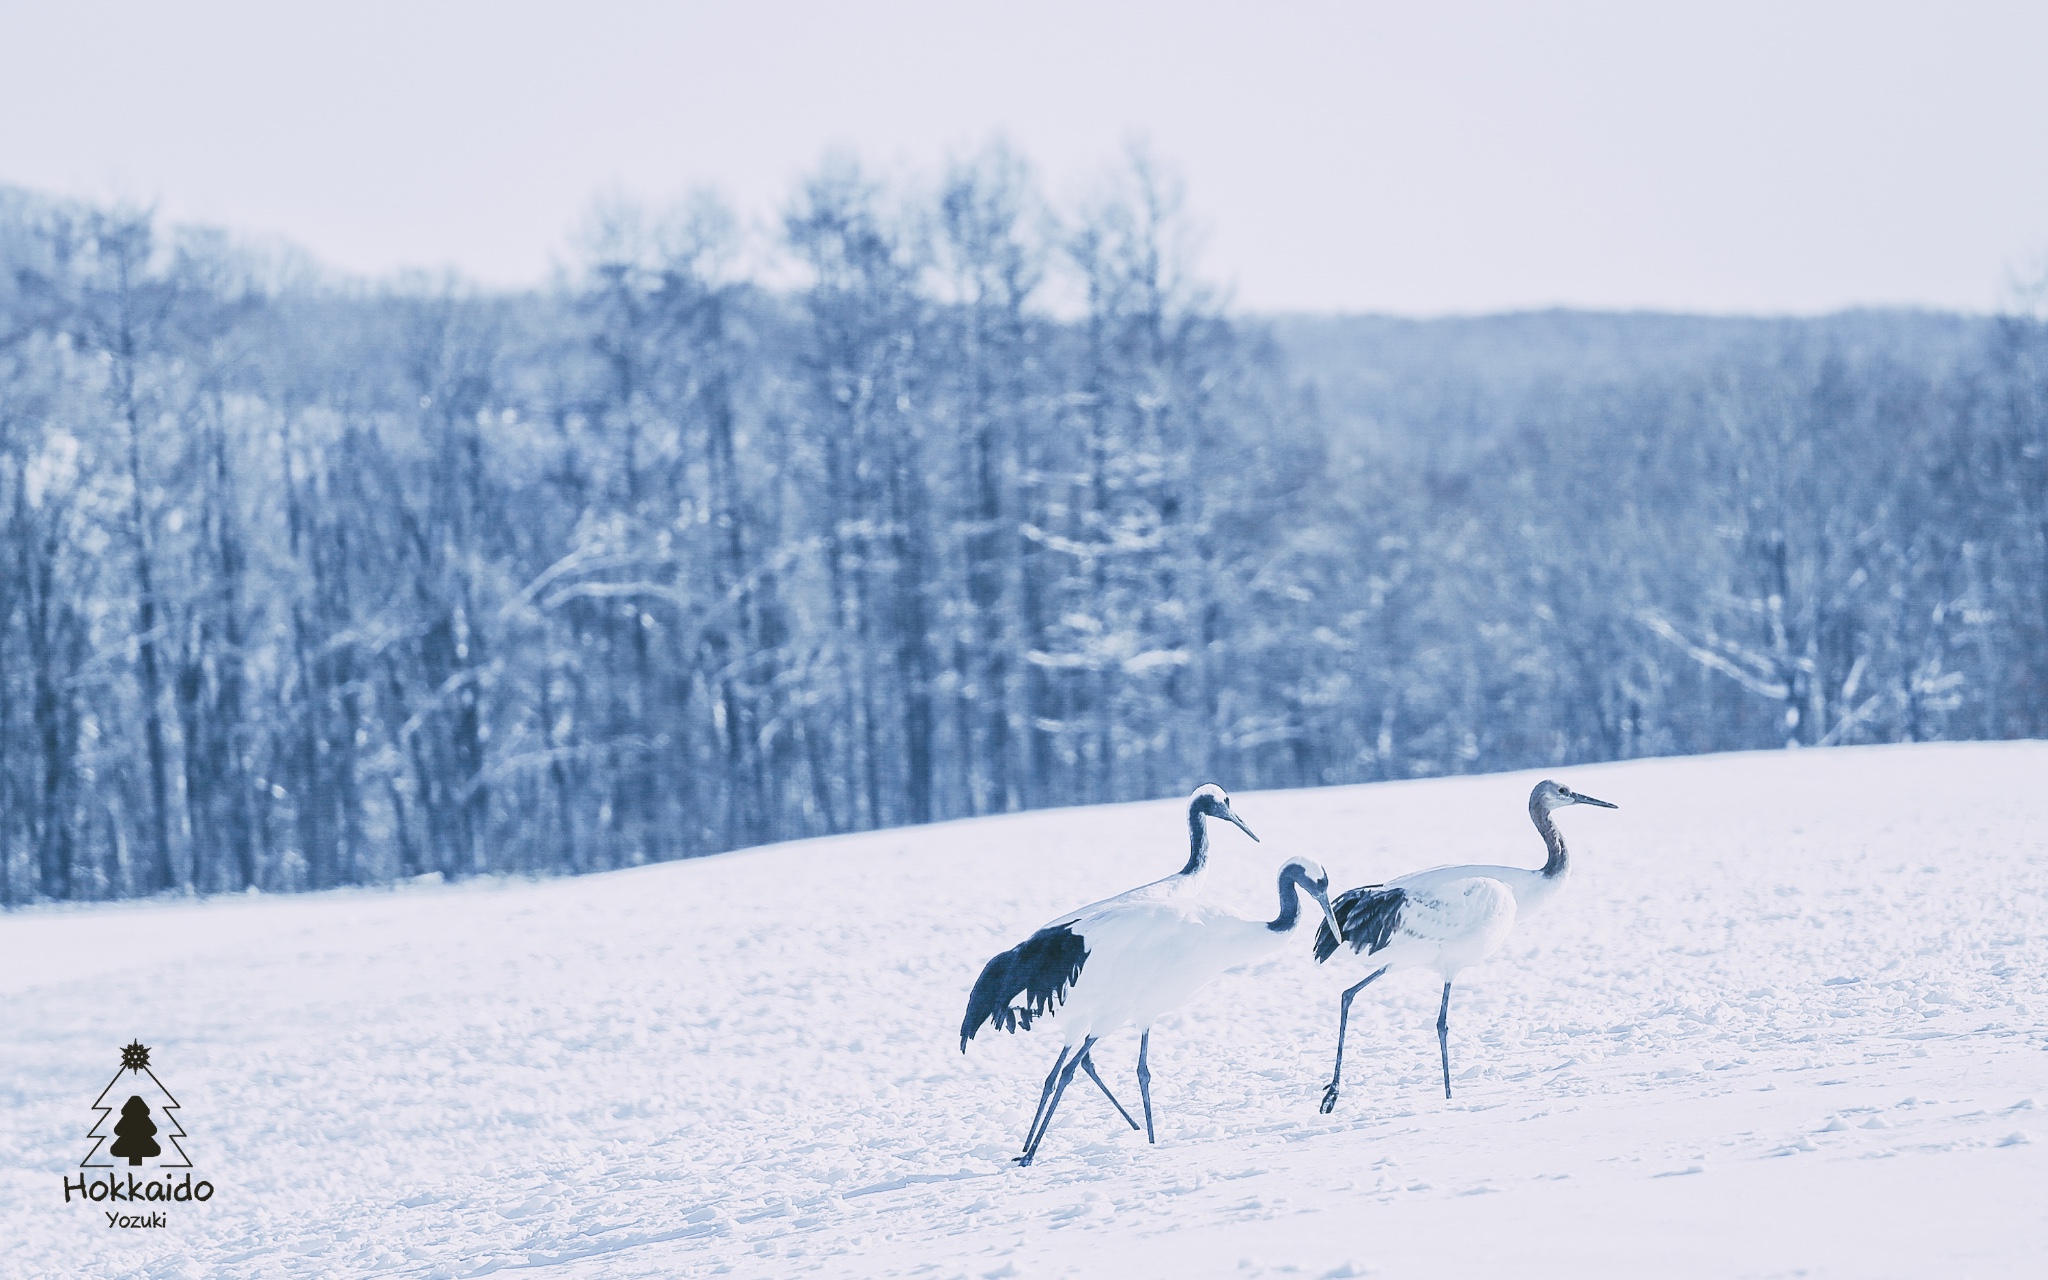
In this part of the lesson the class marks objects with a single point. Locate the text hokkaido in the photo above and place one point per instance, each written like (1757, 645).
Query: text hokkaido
(113, 1188)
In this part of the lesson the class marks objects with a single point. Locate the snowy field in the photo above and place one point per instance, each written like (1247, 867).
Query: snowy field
(1790, 1018)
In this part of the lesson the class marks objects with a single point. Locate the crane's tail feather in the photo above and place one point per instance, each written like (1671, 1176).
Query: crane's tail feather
(1369, 915)
(1040, 969)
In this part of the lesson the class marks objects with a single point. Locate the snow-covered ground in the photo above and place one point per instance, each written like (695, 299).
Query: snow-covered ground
(1790, 1018)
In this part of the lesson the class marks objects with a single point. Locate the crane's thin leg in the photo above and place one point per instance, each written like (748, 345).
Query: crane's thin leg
(1145, 1080)
(1344, 1018)
(1066, 1078)
(1443, 1036)
(1088, 1065)
(1044, 1094)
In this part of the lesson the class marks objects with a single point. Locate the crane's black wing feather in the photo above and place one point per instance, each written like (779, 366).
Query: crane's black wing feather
(1369, 915)
(1040, 969)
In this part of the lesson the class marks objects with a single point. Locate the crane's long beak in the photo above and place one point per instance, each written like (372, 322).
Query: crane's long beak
(1586, 799)
(1322, 897)
(1232, 815)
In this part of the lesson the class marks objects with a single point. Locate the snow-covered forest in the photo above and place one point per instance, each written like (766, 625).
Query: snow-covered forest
(950, 504)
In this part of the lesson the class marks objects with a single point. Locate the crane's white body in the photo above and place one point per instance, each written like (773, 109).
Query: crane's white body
(1447, 923)
(1531, 889)
(1147, 957)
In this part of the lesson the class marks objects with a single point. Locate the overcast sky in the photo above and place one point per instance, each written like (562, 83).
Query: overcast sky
(1414, 157)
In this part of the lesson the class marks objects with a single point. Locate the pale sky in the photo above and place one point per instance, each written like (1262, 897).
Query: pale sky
(1421, 158)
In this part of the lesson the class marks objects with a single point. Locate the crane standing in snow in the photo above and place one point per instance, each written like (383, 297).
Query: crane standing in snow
(1444, 919)
(1132, 960)
(1040, 968)
(1031, 978)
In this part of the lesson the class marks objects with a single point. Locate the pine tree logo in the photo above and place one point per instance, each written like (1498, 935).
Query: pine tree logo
(135, 1135)
(143, 1131)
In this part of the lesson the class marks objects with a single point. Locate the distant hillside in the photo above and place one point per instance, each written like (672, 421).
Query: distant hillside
(1389, 377)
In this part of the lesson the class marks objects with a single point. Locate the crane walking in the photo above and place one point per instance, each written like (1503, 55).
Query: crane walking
(1137, 960)
(1028, 980)
(1444, 919)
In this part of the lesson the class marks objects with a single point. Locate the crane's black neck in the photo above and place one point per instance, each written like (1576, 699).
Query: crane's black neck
(1292, 878)
(1553, 840)
(1198, 841)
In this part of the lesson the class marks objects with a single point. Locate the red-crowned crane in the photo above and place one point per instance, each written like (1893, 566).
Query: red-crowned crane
(1134, 960)
(1444, 919)
(1039, 971)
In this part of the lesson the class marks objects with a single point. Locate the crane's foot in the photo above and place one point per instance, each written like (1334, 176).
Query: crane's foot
(1330, 1098)
(1023, 1161)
